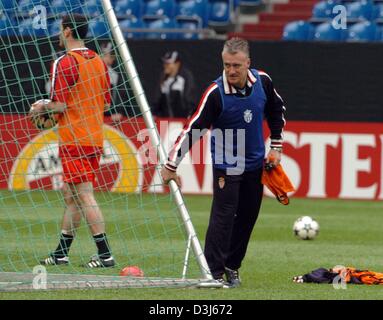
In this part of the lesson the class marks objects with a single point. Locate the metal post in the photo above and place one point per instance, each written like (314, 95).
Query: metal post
(151, 126)
(186, 261)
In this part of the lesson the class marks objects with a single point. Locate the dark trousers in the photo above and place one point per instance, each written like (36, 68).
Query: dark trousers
(236, 203)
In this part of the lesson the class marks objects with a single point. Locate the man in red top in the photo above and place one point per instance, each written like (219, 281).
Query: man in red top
(80, 93)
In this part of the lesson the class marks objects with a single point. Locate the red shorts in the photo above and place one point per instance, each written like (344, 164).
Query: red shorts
(78, 165)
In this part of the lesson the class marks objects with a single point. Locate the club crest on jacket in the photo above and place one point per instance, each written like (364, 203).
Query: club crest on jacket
(248, 116)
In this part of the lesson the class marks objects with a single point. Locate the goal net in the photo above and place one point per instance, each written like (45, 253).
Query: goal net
(145, 228)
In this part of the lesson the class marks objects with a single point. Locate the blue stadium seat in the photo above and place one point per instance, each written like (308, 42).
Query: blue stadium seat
(158, 24)
(363, 31)
(131, 23)
(159, 8)
(298, 31)
(220, 12)
(362, 10)
(127, 8)
(380, 34)
(326, 32)
(8, 27)
(61, 7)
(323, 9)
(92, 8)
(4, 25)
(189, 10)
(98, 28)
(250, 2)
(188, 25)
(28, 27)
(378, 11)
(25, 7)
(7, 4)
(54, 27)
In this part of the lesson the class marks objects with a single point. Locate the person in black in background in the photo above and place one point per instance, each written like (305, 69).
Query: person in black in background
(175, 96)
(109, 58)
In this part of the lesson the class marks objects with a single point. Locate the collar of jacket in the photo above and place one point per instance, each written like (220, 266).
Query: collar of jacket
(229, 89)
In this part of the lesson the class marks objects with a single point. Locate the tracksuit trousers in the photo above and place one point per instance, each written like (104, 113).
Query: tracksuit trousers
(236, 203)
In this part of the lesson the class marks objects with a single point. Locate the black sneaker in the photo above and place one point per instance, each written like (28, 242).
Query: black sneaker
(225, 284)
(232, 277)
(97, 262)
(53, 260)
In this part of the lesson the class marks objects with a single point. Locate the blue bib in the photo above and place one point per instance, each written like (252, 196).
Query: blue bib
(237, 137)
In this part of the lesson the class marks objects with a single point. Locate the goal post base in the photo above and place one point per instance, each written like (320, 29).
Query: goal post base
(14, 281)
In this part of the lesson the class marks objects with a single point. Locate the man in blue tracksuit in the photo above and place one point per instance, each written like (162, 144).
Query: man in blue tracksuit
(234, 107)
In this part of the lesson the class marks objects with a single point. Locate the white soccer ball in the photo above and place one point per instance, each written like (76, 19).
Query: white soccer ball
(306, 228)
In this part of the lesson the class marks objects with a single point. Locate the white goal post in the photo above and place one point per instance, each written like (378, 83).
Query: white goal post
(147, 115)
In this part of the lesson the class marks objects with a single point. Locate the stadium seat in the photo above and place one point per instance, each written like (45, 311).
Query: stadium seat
(92, 8)
(7, 26)
(378, 12)
(131, 23)
(326, 32)
(127, 8)
(54, 27)
(363, 31)
(362, 10)
(249, 2)
(220, 12)
(153, 8)
(159, 24)
(298, 31)
(188, 25)
(98, 28)
(380, 34)
(28, 27)
(61, 7)
(189, 10)
(4, 25)
(25, 7)
(323, 9)
(7, 4)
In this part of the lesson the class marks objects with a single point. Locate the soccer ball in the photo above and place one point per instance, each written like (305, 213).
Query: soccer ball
(132, 271)
(306, 228)
(43, 120)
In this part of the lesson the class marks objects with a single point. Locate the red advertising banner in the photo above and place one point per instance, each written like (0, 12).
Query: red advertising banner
(323, 160)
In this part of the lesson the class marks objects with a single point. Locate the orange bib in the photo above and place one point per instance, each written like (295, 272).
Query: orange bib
(81, 123)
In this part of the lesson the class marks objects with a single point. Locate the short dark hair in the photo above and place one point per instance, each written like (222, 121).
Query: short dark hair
(77, 23)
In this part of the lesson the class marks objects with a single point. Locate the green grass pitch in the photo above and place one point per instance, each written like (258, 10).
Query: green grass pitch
(350, 234)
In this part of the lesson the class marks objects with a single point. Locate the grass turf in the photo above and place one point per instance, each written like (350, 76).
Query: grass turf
(350, 235)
